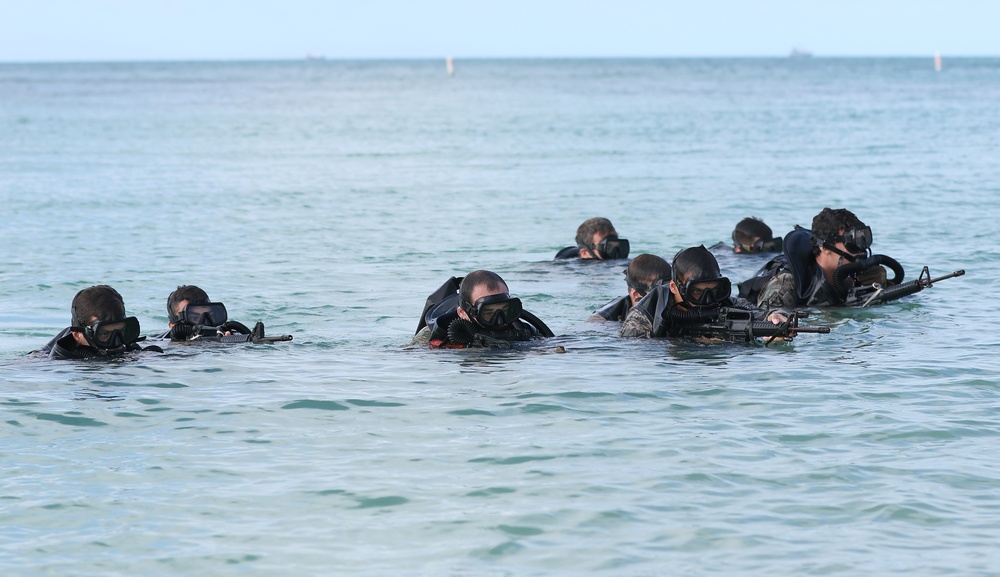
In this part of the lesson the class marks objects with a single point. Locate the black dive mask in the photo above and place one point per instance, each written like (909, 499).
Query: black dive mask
(611, 247)
(857, 240)
(639, 287)
(112, 335)
(494, 311)
(773, 245)
(206, 314)
(701, 296)
(848, 256)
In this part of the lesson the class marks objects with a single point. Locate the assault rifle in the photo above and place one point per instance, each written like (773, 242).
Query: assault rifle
(876, 293)
(239, 333)
(737, 326)
(248, 339)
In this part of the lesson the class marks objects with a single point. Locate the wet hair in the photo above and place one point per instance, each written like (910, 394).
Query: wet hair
(188, 292)
(647, 269)
(488, 279)
(695, 263)
(829, 222)
(749, 229)
(96, 303)
(586, 231)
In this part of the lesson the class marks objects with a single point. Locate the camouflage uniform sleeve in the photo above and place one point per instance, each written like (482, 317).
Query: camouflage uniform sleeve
(637, 324)
(779, 293)
(423, 337)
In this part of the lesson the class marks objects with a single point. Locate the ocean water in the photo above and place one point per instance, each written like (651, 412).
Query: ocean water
(328, 199)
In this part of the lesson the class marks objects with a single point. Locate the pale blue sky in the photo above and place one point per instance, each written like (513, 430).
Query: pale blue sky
(65, 30)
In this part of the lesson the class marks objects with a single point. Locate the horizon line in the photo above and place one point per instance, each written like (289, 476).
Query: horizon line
(319, 57)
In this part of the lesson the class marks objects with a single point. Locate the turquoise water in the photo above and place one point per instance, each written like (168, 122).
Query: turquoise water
(327, 199)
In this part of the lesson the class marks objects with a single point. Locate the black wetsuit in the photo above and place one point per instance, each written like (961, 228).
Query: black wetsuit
(441, 312)
(568, 252)
(615, 310)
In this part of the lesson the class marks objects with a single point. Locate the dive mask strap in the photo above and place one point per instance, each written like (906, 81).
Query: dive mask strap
(850, 257)
(637, 286)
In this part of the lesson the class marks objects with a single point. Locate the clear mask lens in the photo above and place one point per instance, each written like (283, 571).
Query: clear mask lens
(113, 334)
(496, 311)
(706, 292)
(207, 314)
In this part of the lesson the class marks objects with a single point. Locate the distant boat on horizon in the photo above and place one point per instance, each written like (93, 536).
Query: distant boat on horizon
(315, 57)
(799, 53)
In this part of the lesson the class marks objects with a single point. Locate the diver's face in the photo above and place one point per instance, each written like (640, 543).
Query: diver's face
(698, 289)
(739, 248)
(586, 253)
(695, 292)
(80, 338)
(481, 291)
(829, 260)
(177, 310)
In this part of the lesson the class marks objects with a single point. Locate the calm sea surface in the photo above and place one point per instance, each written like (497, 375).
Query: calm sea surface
(327, 199)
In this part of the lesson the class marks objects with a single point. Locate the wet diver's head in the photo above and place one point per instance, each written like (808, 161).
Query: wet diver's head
(485, 300)
(99, 321)
(643, 273)
(840, 226)
(597, 239)
(752, 235)
(696, 280)
(181, 298)
(190, 305)
(838, 236)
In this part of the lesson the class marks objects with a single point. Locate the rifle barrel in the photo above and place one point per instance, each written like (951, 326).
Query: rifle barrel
(248, 339)
(766, 329)
(818, 330)
(278, 339)
(947, 276)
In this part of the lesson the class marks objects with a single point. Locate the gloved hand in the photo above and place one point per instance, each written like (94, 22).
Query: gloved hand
(258, 332)
(873, 275)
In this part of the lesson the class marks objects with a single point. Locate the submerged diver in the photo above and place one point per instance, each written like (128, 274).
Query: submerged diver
(596, 239)
(98, 328)
(803, 275)
(476, 311)
(752, 236)
(644, 272)
(192, 316)
(696, 290)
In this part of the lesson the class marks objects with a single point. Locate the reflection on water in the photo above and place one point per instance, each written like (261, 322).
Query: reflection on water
(88, 394)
